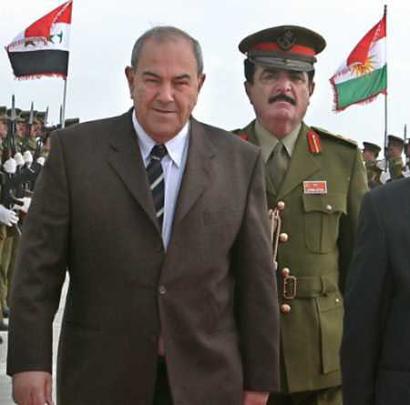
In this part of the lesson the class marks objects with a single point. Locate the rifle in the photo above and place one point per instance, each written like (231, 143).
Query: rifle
(406, 147)
(26, 144)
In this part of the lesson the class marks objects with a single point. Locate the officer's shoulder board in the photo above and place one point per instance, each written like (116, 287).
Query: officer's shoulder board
(338, 138)
(240, 133)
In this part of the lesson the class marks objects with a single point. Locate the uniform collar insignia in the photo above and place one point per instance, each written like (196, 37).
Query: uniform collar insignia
(314, 142)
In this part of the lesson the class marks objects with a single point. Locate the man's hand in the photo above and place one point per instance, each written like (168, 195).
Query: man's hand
(32, 388)
(255, 398)
(25, 205)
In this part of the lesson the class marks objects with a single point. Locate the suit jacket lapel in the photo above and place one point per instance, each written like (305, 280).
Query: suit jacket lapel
(126, 160)
(197, 172)
(302, 164)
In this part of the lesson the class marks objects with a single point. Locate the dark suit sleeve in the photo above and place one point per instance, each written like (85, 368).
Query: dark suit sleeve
(348, 227)
(256, 296)
(365, 300)
(40, 269)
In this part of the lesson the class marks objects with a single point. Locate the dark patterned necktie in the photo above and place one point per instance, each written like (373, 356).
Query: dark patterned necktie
(156, 180)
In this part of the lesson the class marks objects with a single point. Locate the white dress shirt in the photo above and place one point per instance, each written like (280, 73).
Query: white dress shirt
(173, 166)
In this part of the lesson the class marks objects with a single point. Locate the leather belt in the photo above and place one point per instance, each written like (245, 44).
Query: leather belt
(307, 287)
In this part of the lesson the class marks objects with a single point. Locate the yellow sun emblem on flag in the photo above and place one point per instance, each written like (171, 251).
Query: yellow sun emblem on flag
(360, 69)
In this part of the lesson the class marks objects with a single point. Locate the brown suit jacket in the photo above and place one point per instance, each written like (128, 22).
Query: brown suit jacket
(211, 295)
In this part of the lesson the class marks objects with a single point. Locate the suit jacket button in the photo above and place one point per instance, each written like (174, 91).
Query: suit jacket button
(285, 308)
(329, 207)
(162, 290)
(283, 237)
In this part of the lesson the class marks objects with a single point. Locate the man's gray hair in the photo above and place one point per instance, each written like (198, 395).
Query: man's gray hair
(164, 33)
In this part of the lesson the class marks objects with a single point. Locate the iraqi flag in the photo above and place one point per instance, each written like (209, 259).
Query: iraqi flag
(42, 48)
(363, 75)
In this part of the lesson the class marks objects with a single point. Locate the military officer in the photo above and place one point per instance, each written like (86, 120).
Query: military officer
(316, 180)
(406, 172)
(395, 147)
(3, 122)
(370, 153)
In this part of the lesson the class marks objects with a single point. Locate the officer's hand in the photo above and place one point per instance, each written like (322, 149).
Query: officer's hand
(32, 388)
(255, 398)
(41, 160)
(26, 201)
(10, 166)
(8, 217)
(18, 157)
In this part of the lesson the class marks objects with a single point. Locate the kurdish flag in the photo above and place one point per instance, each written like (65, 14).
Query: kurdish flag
(42, 48)
(364, 74)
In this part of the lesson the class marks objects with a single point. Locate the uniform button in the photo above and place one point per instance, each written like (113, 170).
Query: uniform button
(162, 290)
(285, 272)
(283, 237)
(281, 205)
(337, 300)
(328, 207)
(285, 308)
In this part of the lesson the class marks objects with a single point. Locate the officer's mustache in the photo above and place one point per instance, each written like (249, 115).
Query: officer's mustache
(282, 97)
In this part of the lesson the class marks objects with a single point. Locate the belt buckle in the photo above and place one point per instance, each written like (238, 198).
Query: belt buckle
(289, 287)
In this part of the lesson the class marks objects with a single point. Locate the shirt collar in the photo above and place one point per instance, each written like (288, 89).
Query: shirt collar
(267, 141)
(175, 146)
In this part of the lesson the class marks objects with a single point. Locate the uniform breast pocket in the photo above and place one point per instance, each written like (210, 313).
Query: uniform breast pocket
(322, 216)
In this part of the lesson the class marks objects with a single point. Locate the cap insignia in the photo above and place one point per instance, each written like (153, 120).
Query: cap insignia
(286, 40)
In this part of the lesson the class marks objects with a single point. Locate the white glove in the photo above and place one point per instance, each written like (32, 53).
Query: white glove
(26, 205)
(41, 160)
(8, 217)
(28, 157)
(18, 157)
(10, 166)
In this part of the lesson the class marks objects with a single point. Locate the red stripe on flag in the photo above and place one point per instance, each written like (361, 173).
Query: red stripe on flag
(361, 51)
(42, 27)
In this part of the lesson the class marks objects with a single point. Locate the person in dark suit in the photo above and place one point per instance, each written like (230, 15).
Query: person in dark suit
(376, 343)
(162, 223)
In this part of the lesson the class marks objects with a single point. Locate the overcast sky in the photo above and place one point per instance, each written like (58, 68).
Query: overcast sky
(103, 33)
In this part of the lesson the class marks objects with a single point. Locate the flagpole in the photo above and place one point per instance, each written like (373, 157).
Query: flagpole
(63, 105)
(385, 100)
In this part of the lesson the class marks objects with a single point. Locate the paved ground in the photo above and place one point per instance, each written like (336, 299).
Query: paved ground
(5, 384)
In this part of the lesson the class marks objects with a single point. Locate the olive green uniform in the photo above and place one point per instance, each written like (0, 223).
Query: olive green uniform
(396, 168)
(320, 230)
(373, 174)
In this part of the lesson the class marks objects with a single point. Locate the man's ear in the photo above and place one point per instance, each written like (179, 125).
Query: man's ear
(201, 80)
(311, 88)
(248, 87)
(129, 74)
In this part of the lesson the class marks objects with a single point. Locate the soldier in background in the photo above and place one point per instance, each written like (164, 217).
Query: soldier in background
(3, 123)
(3, 288)
(370, 154)
(395, 148)
(406, 171)
(317, 180)
(8, 218)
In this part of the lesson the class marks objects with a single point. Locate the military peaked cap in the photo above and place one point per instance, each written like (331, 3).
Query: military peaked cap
(395, 140)
(288, 47)
(372, 147)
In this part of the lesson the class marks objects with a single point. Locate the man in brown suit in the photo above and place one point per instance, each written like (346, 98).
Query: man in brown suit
(164, 305)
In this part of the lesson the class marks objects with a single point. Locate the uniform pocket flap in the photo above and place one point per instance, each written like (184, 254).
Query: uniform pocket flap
(325, 203)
